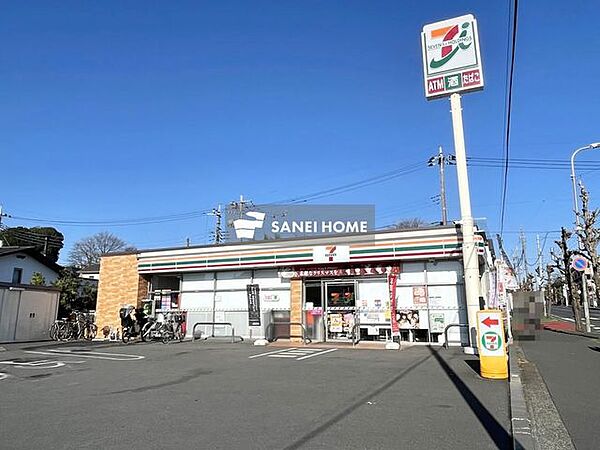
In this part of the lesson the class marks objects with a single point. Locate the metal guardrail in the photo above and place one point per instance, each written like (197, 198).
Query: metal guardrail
(460, 325)
(197, 324)
(273, 338)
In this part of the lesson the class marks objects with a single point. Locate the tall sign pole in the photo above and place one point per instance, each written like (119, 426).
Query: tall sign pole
(452, 65)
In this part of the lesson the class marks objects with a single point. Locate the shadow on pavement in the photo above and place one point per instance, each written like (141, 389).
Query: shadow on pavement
(474, 365)
(495, 430)
(596, 349)
(360, 402)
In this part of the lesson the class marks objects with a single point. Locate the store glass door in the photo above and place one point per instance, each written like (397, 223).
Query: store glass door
(340, 309)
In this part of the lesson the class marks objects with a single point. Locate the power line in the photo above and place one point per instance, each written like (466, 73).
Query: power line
(508, 113)
(373, 180)
(115, 222)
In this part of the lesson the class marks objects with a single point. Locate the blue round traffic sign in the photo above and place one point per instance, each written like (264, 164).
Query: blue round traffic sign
(579, 263)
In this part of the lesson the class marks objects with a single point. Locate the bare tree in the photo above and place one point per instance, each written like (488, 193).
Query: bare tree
(562, 262)
(87, 251)
(404, 224)
(589, 236)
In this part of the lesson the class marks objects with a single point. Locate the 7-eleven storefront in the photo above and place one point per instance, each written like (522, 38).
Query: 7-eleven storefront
(335, 285)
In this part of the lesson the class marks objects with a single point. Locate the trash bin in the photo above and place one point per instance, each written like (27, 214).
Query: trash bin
(280, 330)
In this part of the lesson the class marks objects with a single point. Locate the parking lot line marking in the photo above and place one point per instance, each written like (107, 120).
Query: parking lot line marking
(42, 364)
(283, 355)
(317, 354)
(94, 355)
(3, 376)
(270, 353)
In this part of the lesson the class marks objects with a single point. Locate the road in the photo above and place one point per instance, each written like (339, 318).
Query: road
(566, 313)
(237, 396)
(570, 366)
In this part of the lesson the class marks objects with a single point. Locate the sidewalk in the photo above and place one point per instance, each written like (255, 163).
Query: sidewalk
(560, 372)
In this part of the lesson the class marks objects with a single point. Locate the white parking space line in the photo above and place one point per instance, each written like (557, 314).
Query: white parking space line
(94, 355)
(298, 354)
(42, 364)
(270, 353)
(3, 376)
(318, 354)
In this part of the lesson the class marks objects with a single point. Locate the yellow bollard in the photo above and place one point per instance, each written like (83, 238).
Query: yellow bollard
(491, 344)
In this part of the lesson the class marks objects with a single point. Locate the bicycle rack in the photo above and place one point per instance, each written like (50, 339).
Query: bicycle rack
(271, 326)
(460, 325)
(197, 324)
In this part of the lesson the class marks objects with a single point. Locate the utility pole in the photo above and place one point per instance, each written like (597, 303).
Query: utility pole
(524, 253)
(218, 233)
(441, 160)
(240, 206)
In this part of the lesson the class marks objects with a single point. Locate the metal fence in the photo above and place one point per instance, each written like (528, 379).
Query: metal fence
(238, 319)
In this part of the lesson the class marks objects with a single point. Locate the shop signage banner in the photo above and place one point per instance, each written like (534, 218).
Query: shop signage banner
(420, 295)
(335, 323)
(313, 272)
(451, 57)
(269, 222)
(253, 305)
(392, 279)
(438, 322)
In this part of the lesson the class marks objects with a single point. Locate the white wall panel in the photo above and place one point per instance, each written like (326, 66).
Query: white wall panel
(238, 279)
(412, 273)
(443, 297)
(444, 272)
(202, 281)
(196, 300)
(270, 279)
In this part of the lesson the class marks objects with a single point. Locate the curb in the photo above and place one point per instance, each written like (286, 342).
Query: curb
(571, 332)
(520, 422)
(575, 333)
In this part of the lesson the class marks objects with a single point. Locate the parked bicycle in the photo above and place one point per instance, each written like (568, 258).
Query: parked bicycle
(77, 325)
(132, 322)
(166, 327)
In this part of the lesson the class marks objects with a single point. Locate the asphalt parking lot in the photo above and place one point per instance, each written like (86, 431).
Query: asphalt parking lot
(229, 396)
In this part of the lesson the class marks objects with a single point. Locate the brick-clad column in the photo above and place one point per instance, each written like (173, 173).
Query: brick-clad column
(296, 308)
(119, 285)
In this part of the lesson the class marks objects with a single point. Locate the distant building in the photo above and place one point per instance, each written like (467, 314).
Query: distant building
(91, 272)
(18, 264)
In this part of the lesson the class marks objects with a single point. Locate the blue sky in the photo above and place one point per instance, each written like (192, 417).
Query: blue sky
(133, 109)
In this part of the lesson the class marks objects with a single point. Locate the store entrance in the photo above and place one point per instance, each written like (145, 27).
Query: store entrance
(340, 309)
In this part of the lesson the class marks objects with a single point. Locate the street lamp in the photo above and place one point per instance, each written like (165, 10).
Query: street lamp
(575, 202)
(586, 310)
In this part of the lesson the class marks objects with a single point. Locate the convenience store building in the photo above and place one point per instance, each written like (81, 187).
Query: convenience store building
(331, 284)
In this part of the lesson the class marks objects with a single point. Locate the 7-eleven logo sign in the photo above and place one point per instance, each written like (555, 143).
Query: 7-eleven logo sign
(330, 252)
(491, 341)
(450, 48)
(453, 39)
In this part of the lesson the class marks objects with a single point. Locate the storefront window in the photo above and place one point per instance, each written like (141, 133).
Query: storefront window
(341, 308)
